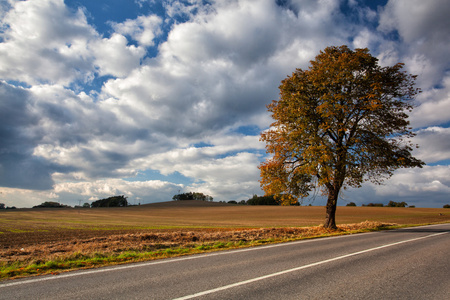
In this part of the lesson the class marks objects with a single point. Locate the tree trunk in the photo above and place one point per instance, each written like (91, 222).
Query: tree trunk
(330, 221)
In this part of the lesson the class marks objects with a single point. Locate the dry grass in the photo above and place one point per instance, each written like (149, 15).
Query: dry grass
(34, 237)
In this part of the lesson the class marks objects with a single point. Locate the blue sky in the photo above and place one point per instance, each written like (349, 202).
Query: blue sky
(147, 98)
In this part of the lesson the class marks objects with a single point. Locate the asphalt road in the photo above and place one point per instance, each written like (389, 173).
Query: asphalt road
(409, 263)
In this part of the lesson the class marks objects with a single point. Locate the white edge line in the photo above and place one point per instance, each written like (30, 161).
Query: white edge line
(301, 267)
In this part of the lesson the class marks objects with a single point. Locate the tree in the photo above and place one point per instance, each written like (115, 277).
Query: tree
(2, 206)
(337, 124)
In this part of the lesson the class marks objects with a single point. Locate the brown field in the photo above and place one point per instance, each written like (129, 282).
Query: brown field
(19, 228)
(38, 235)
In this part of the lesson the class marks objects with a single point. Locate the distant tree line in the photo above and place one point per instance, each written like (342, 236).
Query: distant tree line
(272, 200)
(390, 204)
(115, 201)
(192, 196)
(3, 206)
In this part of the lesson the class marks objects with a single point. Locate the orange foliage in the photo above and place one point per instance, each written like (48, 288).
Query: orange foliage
(338, 123)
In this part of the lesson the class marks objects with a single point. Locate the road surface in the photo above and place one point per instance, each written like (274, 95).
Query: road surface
(411, 263)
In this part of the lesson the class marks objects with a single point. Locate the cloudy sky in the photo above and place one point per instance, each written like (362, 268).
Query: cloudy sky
(149, 98)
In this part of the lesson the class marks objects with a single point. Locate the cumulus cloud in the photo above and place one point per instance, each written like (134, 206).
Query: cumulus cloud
(113, 56)
(87, 136)
(48, 128)
(417, 185)
(45, 42)
(422, 27)
(220, 69)
(178, 92)
(433, 106)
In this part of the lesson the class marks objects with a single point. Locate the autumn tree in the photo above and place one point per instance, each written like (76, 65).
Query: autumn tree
(338, 123)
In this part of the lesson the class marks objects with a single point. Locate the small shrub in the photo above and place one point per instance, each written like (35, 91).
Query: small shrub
(351, 204)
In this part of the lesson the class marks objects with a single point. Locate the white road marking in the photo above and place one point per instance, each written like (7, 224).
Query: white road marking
(301, 267)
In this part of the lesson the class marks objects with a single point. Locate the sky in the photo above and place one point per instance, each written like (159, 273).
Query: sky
(149, 99)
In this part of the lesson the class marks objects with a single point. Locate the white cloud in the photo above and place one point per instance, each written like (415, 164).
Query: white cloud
(154, 190)
(143, 29)
(221, 67)
(25, 198)
(416, 19)
(418, 183)
(423, 29)
(45, 42)
(433, 106)
(114, 57)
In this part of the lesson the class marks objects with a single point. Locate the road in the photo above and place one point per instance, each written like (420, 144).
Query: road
(412, 263)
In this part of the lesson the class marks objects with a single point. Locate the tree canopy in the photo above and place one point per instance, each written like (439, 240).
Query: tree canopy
(338, 123)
